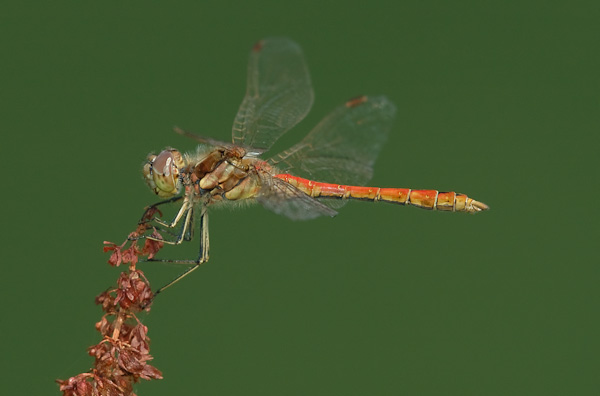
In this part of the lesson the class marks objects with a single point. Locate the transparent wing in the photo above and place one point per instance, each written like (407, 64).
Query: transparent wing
(201, 139)
(278, 94)
(285, 199)
(343, 147)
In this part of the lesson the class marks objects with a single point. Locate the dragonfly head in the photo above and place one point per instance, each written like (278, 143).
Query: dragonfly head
(161, 173)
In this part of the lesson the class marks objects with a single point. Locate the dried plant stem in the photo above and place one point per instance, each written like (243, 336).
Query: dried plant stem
(118, 324)
(121, 356)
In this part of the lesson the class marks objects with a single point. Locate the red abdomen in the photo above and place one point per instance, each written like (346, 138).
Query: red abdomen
(426, 199)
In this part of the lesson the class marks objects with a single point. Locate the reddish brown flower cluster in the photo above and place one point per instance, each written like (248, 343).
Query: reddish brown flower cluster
(122, 355)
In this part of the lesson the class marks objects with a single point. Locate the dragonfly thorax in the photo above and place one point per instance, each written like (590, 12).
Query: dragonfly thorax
(222, 173)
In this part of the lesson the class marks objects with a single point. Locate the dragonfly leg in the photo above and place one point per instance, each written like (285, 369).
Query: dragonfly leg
(144, 218)
(203, 254)
(186, 229)
(185, 233)
(185, 207)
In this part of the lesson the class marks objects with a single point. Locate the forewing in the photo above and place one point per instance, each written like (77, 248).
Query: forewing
(343, 147)
(201, 139)
(285, 199)
(278, 94)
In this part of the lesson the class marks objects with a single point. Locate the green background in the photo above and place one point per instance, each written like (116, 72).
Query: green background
(499, 100)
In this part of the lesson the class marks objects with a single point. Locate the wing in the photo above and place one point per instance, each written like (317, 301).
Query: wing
(201, 139)
(285, 199)
(343, 147)
(278, 94)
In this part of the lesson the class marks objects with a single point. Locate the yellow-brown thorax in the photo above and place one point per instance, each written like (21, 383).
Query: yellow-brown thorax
(220, 174)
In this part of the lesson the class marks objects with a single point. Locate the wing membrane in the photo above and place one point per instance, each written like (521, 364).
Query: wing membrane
(285, 199)
(278, 94)
(201, 139)
(343, 147)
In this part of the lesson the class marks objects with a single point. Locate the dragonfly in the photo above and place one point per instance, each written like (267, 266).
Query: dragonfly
(313, 178)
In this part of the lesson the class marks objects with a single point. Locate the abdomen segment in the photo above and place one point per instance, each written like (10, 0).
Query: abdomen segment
(426, 199)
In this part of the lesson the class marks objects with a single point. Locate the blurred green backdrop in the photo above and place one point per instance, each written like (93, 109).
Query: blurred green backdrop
(499, 100)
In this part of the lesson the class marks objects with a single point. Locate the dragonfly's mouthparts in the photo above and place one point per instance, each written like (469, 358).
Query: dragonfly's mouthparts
(161, 173)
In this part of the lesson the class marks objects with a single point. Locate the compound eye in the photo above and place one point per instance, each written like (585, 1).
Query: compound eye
(163, 163)
(164, 174)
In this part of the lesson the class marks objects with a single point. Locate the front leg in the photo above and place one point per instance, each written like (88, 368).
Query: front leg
(203, 253)
(186, 229)
(185, 212)
(149, 212)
